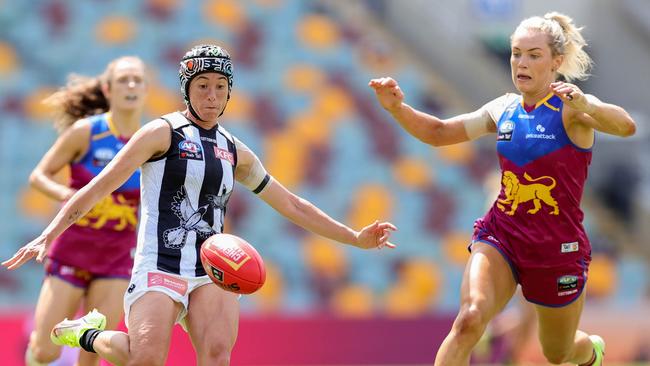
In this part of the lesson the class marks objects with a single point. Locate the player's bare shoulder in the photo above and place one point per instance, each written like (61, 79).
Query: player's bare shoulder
(156, 136)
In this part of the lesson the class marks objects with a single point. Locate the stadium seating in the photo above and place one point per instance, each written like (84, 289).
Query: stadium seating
(300, 101)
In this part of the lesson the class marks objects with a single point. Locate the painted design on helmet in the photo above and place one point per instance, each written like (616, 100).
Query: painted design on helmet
(201, 59)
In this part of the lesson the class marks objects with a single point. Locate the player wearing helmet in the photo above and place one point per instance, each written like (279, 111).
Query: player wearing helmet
(189, 166)
(199, 60)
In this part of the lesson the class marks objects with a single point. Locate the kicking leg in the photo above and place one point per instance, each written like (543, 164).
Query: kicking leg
(151, 319)
(105, 295)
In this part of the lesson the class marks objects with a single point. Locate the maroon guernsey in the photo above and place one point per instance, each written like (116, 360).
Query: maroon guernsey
(103, 241)
(536, 222)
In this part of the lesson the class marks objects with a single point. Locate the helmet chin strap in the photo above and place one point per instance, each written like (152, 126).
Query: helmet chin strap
(193, 112)
(196, 115)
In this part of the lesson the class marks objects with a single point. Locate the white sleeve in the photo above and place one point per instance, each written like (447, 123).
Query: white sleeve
(496, 107)
(476, 123)
(256, 179)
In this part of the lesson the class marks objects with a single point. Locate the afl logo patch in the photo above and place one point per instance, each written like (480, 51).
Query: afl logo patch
(102, 156)
(190, 150)
(567, 285)
(505, 131)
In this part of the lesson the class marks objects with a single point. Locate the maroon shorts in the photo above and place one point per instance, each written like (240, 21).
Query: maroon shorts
(554, 286)
(75, 276)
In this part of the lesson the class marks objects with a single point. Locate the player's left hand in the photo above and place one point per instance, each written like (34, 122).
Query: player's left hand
(375, 235)
(572, 96)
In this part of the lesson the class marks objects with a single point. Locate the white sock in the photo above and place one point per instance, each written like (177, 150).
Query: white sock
(29, 359)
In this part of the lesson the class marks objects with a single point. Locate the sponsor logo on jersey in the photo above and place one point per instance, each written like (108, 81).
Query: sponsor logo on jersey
(567, 285)
(505, 131)
(223, 154)
(209, 139)
(540, 135)
(67, 270)
(526, 116)
(190, 150)
(569, 247)
(175, 284)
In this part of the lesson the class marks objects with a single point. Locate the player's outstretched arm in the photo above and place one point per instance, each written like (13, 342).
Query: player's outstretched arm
(150, 140)
(425, 127)
(252, 175)
(305, 214)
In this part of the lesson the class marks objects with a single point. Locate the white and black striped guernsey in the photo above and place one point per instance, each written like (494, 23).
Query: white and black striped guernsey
(184, 195)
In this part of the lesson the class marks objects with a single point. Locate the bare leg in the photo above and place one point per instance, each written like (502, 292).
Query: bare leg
(58, 299)
(106, 296)
(510, 332)
(522, 331)
(488, 285)
(113, 346)
(212, 322)
(561, 341)
(151, 319)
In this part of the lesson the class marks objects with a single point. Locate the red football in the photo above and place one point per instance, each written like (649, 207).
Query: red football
(233, 264)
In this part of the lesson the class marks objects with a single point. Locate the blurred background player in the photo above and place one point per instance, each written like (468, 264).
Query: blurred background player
(533, 234)
(90, 263)
(189, 166)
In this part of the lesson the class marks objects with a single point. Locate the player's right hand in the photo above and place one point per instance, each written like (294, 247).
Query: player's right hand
(375, 235)
(388, 93)
(35, 248)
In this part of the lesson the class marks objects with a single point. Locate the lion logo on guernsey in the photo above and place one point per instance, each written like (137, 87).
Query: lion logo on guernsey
(108, 210)
(517, 192)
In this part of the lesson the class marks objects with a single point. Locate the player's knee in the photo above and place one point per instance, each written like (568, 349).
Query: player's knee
(470, 320)
(147, 358)
(221, 359)
(43, 355)
(556, 357)
(218, 353)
